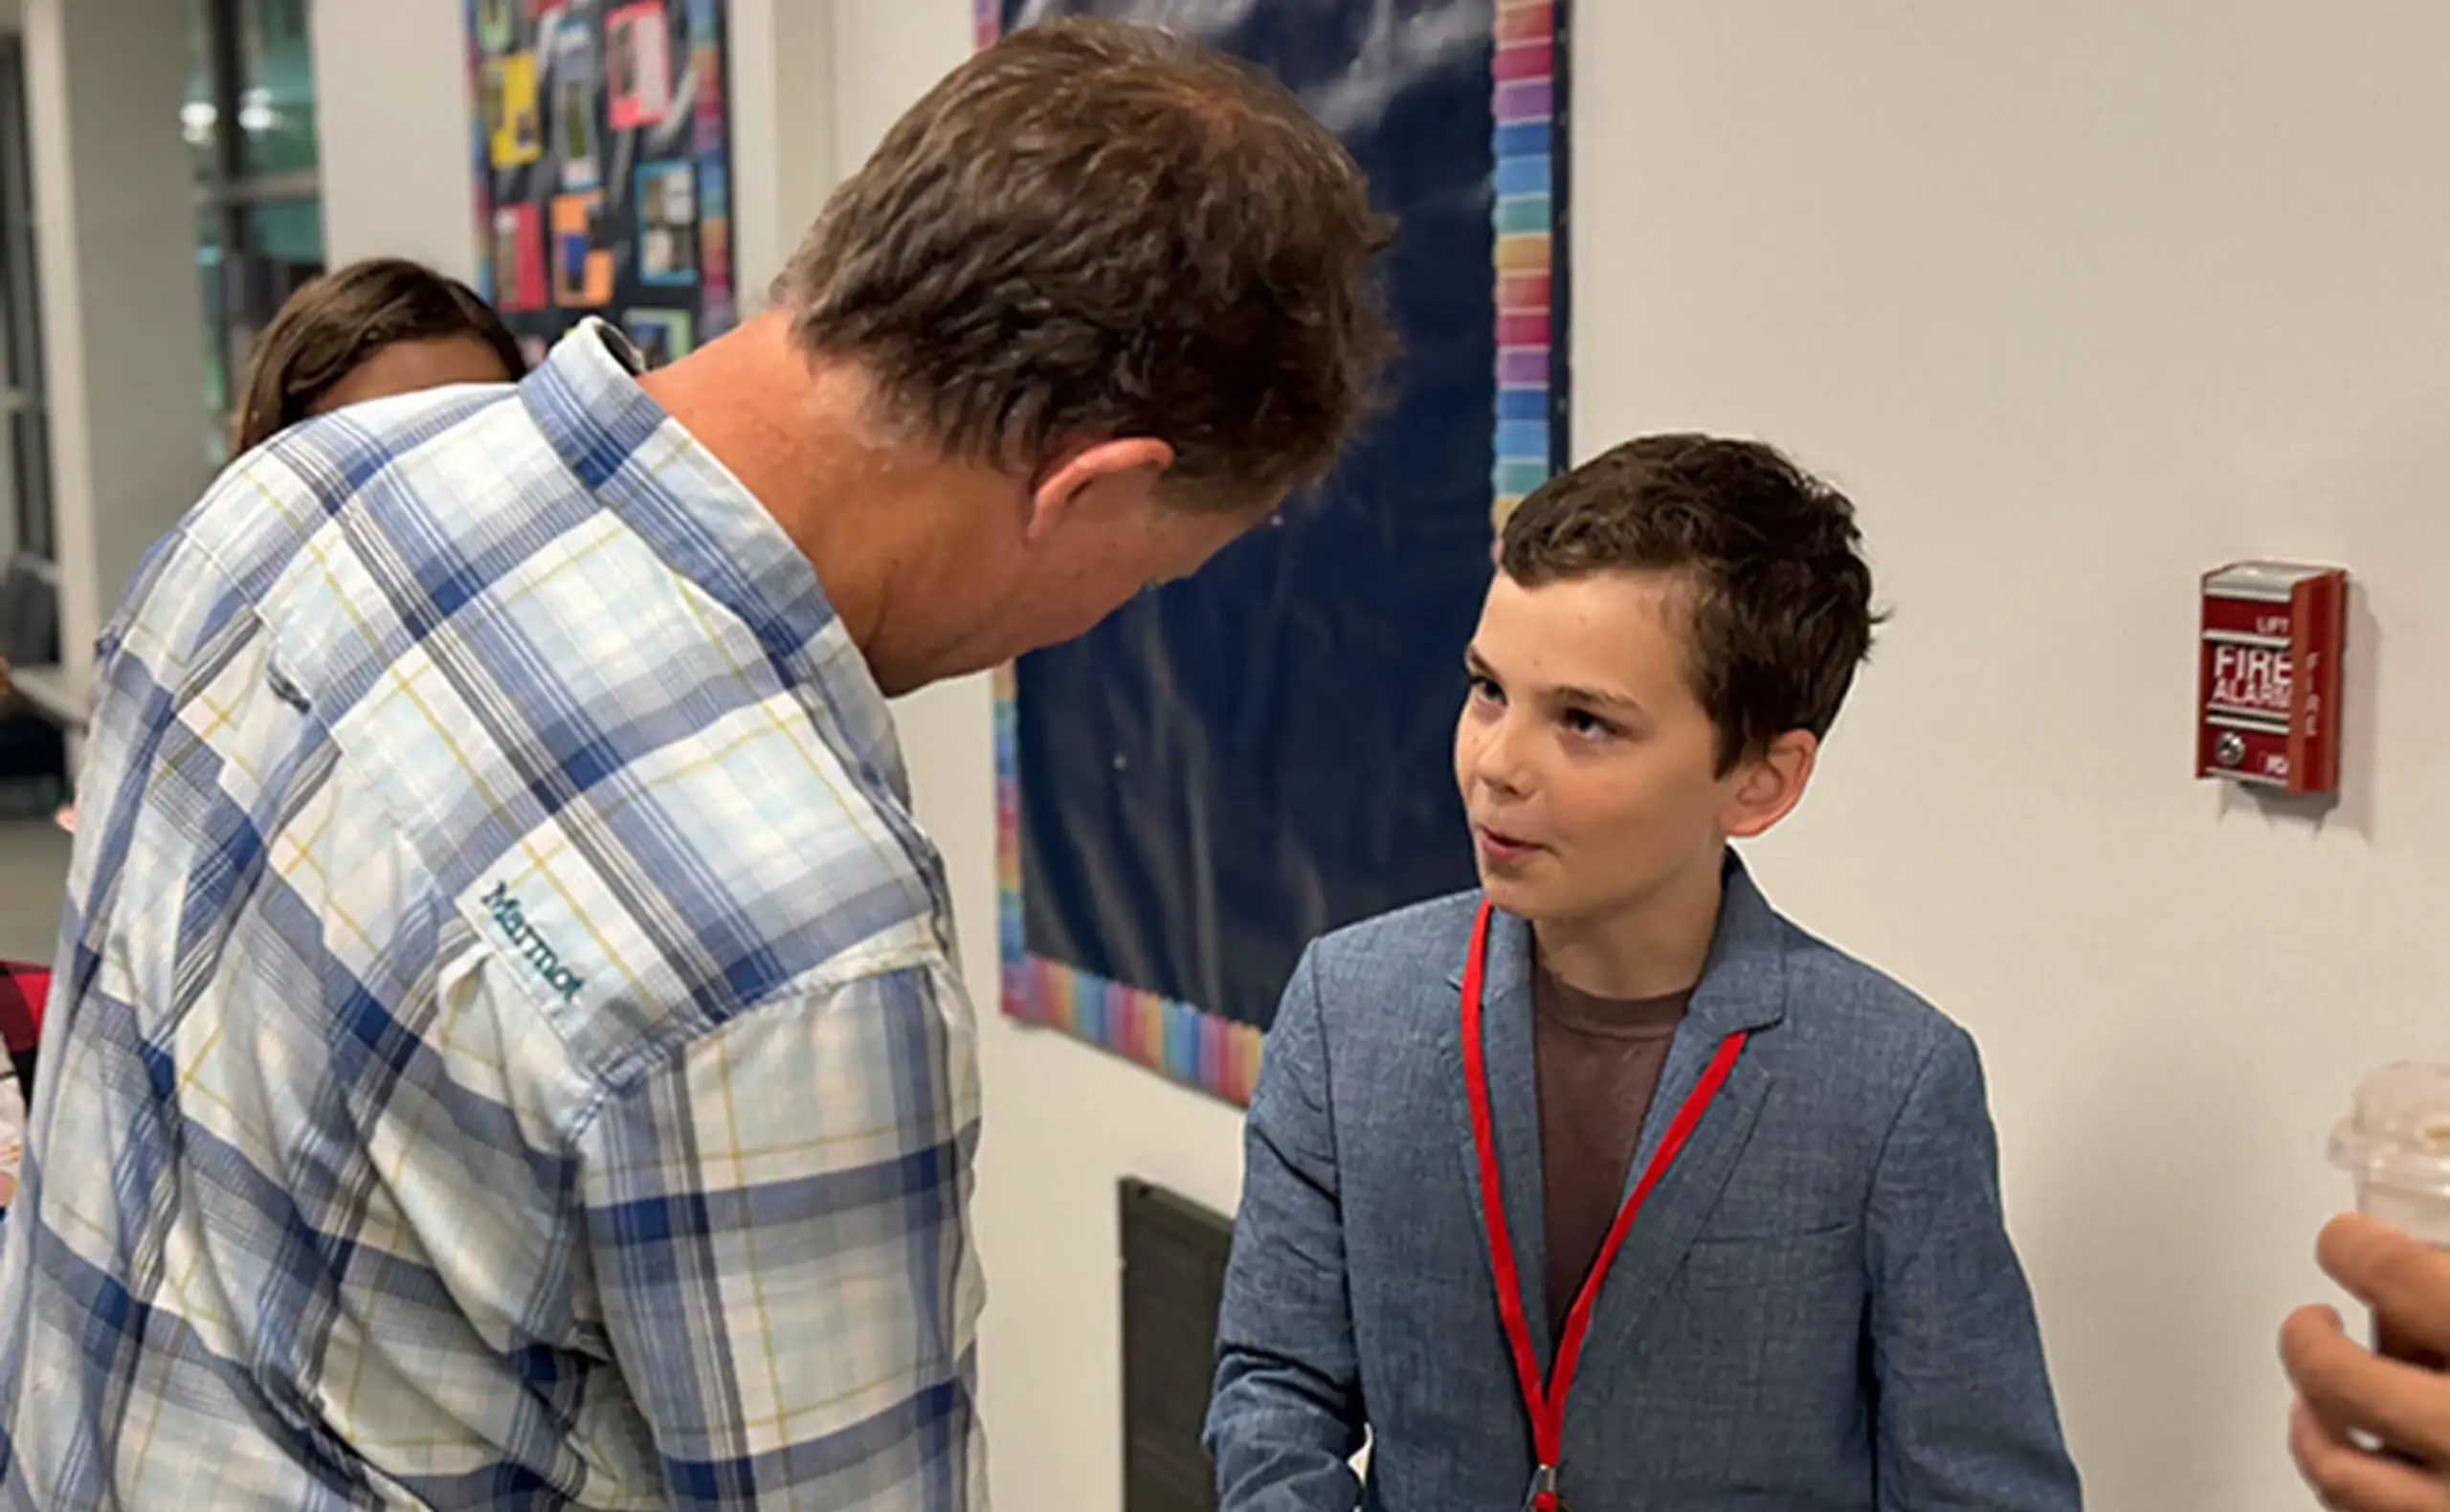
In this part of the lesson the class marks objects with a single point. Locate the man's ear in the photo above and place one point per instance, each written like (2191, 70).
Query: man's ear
(1087, 472)
(1768, 787)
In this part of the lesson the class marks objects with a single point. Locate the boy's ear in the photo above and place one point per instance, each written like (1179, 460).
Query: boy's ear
(1765, 789)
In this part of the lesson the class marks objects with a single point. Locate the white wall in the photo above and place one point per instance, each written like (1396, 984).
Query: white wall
(784, 122)
(2077, 300)
(392, 102)
(123, 322)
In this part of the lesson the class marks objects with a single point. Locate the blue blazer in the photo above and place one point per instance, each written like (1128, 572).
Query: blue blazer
(1818, 1307)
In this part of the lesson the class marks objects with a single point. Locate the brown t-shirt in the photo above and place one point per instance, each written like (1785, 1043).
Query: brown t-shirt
(1598, 1060)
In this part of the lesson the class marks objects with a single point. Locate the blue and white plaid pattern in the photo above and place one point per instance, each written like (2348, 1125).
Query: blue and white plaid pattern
(511, 1054)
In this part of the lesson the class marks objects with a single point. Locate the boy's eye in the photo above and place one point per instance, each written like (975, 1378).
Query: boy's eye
(1484, 688)
(1582, 722)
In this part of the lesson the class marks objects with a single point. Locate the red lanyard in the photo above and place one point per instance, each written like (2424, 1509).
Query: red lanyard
(1546, 1403)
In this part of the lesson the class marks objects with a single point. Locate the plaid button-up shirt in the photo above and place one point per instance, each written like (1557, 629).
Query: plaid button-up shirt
(510, 1054)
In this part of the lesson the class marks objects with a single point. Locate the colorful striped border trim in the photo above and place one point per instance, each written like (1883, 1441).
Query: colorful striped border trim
(718, 309)
(1176, 1039)
(1529, 74)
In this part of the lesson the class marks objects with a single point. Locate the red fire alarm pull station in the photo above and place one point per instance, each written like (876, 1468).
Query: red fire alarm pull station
(2269, 710)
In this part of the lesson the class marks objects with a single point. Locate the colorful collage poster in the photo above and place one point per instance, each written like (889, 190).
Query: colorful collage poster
(575, 100)
(510, 110)
(638, 49)
(667, 201)
(601, 143)
(519, 260)
(582, 262)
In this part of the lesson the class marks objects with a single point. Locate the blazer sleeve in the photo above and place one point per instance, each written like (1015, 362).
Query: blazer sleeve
(1287, 1416)
(1964, 1411)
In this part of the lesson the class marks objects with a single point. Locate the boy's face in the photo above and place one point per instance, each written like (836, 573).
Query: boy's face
(1586, 766)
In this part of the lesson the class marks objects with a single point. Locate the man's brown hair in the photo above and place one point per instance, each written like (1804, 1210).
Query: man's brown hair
(329, 326)
(1778, 612)
(1095, 229)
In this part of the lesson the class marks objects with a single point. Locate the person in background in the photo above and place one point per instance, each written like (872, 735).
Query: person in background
(1608, 1185)
(368, 330)
(2373, 1433)
(510, 1049)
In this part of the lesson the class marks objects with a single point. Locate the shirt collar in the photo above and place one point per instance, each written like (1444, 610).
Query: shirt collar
(649, 470)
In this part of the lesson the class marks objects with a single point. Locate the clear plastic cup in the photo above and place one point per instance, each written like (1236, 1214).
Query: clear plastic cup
(2396, 1144)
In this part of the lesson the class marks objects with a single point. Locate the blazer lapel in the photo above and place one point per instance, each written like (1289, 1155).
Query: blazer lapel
(1514, 1108)
(1743, 989)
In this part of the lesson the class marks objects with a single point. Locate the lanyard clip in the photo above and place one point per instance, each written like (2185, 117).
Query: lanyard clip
(1543, 1496)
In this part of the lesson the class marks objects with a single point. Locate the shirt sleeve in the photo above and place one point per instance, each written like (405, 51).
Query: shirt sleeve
(777, 1220)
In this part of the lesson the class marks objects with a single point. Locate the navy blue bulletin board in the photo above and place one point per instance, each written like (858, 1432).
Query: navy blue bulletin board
(1231, 766)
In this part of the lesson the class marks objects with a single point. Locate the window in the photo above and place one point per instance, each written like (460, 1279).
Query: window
(249, 119)
(25, 450)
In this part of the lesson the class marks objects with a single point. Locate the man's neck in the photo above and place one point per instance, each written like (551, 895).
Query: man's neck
(803, 435)
(1649, 948)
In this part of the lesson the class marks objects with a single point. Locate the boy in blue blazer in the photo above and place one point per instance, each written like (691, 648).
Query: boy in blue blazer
(1606, 1186)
